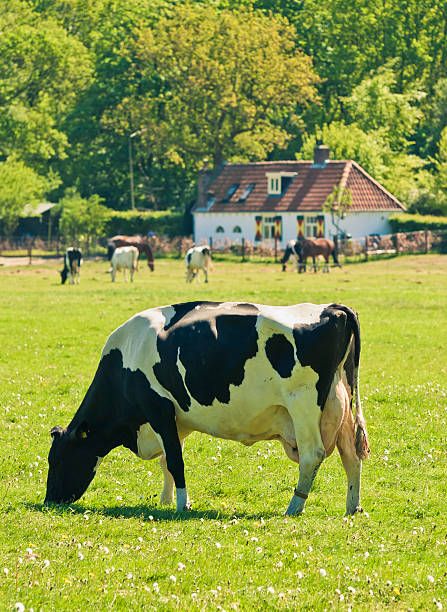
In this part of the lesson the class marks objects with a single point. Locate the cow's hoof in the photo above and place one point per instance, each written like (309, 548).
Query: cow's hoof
(166, 501)
(186, 508)
(296, 506)
(356, 510)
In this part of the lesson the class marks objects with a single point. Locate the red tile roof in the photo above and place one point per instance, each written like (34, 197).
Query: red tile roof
(307, 190)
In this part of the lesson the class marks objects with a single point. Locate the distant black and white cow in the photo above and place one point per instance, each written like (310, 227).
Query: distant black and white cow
(197, 258)
(124, 258)
(72, 265)
(244, 372)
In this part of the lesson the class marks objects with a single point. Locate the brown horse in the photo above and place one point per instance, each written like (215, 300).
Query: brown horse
(137, 241)
(310, 247)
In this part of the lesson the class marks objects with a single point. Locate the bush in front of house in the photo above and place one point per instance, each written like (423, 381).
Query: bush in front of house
(130, 222)
(413, 223)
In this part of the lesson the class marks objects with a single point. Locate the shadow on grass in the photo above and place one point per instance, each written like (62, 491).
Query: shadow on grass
(147, 513)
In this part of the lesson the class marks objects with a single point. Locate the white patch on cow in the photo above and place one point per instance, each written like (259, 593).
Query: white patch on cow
(98, 463)
(182, 500)
(124, 258)
(149, 443)
(137, 341)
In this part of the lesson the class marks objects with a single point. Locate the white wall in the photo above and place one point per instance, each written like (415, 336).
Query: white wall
(357, 224)
(205, 225)
(360, 224)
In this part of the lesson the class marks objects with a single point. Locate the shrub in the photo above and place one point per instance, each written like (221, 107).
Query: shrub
(412, 223)
(130, 222)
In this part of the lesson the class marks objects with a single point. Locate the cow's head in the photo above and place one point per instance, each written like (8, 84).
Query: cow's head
(64, 274)
(72, 462)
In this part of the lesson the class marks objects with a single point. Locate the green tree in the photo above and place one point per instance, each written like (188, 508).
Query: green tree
(108, 29)
(82, 219)
(19, 185)
(376, 105)
(42, 71)
(223, 84)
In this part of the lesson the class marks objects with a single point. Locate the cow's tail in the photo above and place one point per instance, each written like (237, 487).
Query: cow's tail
(361, 434)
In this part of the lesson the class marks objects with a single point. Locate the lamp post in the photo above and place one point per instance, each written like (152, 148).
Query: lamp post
(131, 177)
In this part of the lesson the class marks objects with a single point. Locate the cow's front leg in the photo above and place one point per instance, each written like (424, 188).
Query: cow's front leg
(174, 462)
(311, 453)
(167, 494)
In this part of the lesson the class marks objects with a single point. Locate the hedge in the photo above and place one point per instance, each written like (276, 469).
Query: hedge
(161, 222)
(412, 223)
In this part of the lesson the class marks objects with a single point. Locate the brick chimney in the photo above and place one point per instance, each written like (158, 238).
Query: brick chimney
(321, 155)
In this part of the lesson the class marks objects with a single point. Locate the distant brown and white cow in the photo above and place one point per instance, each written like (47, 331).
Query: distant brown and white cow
(124, 258)
(197, 258)
(238, 371)
(72, 265)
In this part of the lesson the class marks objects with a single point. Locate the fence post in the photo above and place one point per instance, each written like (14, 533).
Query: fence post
(243, 249)
(396, 243)
(426, 241)
(366, 248)
(211, 242)
(276, 248)
(29, 248)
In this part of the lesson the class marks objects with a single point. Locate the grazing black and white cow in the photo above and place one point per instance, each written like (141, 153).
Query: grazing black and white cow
(239, 371)
(72, 265)
(197, 258)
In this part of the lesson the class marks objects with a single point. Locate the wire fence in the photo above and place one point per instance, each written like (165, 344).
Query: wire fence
(358, 249)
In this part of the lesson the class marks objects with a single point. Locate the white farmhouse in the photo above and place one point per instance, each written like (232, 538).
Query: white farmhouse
(258, 201)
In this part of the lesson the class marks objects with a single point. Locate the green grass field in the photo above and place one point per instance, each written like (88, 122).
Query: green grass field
(117, 548)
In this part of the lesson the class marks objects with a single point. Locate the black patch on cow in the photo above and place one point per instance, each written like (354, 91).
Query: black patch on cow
(280, 353)
(322, 346)
(206, 251)
(213, 345)
(188, 258)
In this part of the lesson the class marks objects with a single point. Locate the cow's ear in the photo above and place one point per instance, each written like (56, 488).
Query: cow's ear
(82, 431)
(56, 432)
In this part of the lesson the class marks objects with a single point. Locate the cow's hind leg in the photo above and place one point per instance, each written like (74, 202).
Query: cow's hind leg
(351, 462)
(167, 494)
(306, 421)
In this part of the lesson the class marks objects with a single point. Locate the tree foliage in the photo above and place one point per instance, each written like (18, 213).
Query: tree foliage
(224, 83)
(19, 186)
(82, 219)
(221, 80)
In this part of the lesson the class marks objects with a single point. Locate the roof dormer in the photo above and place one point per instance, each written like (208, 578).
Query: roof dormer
(277, 182)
